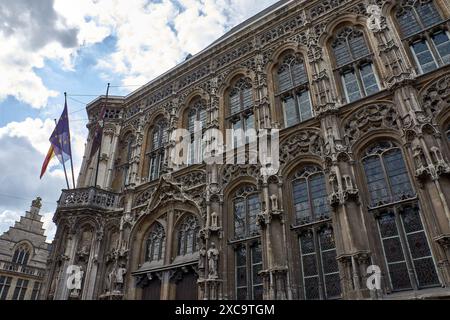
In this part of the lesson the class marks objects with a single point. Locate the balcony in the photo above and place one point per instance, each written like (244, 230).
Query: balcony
(22, 269)
(88, 197)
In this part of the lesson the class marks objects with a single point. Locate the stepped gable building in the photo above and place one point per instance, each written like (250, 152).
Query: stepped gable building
(23, 257)
(363, 106)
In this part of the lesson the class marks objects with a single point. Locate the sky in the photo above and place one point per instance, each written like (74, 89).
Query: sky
(48, 47)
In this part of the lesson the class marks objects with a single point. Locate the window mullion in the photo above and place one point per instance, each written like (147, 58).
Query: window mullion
(405, 248)
(362, 89)
(386, 177)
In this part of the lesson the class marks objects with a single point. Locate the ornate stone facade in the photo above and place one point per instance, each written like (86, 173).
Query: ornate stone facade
(364, 181)
(23, 257)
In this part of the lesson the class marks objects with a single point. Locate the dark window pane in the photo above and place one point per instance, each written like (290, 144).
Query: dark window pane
(284, 80)
(375, 179)
(351, 86)
(309, 265)
(290, 111)
(428, 13)
(333, 286)
(258, 293)
(398, 175)
(301, 200)
(305, 105)
(411, 220)
(241, 294)
(388, 226)
(319, 196)
(442, 42)
(358, 45)
(299, 73)
(393, 250)
(312, 288)
(239, 218)
(329, 262)
(408, 23)
(307, 243)
(241, 277)
(424, 57)
(426, 272)
(398, 273)
(342, 53)
(369, 79)
(241, 257)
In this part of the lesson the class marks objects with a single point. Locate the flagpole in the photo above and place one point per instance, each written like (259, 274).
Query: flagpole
(100, 147)
(64, 166)
(70, 146)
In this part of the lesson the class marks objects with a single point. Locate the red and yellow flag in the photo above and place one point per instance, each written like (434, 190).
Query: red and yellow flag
(48, 158)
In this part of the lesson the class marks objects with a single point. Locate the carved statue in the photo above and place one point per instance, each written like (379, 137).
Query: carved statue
(37, 203)
(201, 261)
(214, 218)
(274, 202)
(213, 258)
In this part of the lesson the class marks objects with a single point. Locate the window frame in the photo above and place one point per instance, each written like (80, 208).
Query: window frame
(425, 34)
(396, 207)
(156, 154)
(355, 64)
(289, 60)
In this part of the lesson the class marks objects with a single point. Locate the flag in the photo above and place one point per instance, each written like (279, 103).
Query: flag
(60, 138)
(98, 132)
(60, 142)
(47, 160)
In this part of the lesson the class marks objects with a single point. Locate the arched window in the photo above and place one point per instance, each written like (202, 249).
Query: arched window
(156, 243)
(387, 176)
(424, 31)
(393, 203)
(319, 267)
(21, 255)
(158, 138)
(196, 114)
(354, 64)
(128, 153)
(188, 236)
(310, 195)
(248, 254)
(293, 90)
(240, 107)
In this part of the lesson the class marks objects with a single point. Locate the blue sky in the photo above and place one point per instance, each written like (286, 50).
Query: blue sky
(54, 46)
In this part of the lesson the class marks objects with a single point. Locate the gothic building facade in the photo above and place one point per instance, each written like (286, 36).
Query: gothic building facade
(363, 108)
(23, 257)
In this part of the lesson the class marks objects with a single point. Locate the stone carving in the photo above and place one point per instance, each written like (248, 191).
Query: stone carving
(307, 141)
(37, 203)
(370, 118)
(213, 260)
(435, 99)
(274, 202)
(202, 258)
(214, 220)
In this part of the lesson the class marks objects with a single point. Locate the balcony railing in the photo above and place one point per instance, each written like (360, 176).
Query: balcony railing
(88, 197)
(22, 269)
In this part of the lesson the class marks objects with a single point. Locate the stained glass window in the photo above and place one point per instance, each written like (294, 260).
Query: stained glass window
(240, 114)
(196, 114)
(156, 243)
(401, 231)
(417, 20)
(293, 90)
(159, 138)
(310, 195)
(354, 64)
(188, 236)
(249, 283)
(246, 208)
(386, 174)
(319, 265)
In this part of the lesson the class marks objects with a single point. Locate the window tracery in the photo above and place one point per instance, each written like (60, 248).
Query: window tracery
(158, 138)
(156, 243)
(188, 236)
